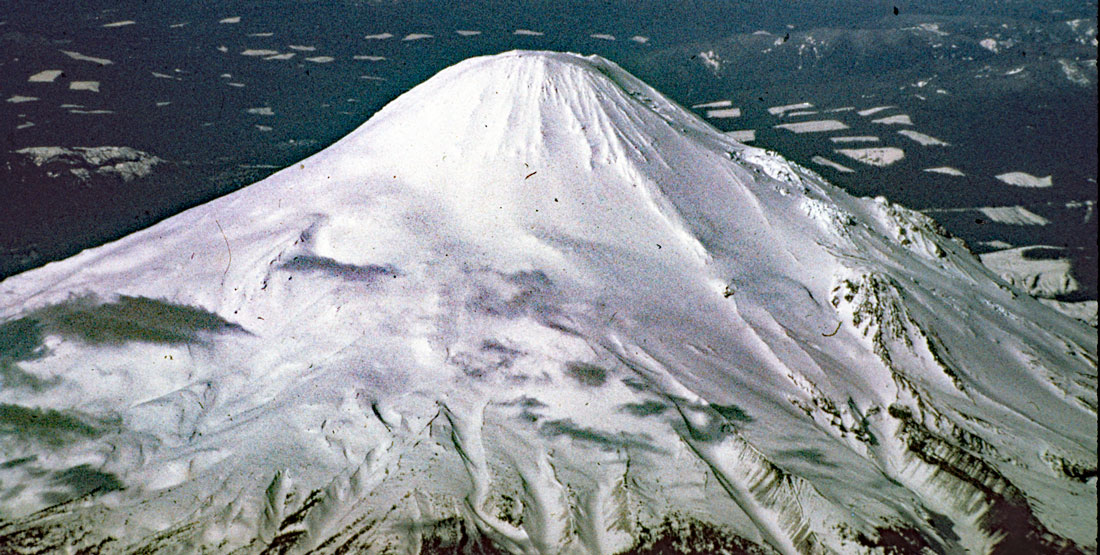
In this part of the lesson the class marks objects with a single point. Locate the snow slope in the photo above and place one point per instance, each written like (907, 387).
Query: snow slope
(532, 305)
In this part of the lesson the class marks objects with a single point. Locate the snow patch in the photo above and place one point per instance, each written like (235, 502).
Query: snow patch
(1024, 179)
(813, 126)
(123, 162)
(1074, 73)
(724, 113)
(45, 76)
(822, 161)
(945, 170)
(872, 111)
(711, 61)
(1038, 275)
(899, 119)
(742, 135)
(880, 157)
(1013, 215)
(933, 28)
(81, 57)
(925, 140)
(715, 104)
(780, 110)
(91, 86)
(855, 139)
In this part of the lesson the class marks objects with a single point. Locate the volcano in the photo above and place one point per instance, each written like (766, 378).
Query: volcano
(534, 306)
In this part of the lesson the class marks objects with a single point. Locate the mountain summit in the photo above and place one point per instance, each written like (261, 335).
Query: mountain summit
(533, 306)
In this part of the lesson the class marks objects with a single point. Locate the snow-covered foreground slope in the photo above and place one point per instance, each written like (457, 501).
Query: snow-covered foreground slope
(534, 306)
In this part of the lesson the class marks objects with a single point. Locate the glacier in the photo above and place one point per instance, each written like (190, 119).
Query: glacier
(534, 306)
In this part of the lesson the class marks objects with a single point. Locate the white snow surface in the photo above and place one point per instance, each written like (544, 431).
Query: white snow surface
(817, 126)
(1013, 215)
(780, 110)
(878, 156)
(923, 139)
(45, 76)
(1040, 277)
(821, 160)
(715, 104)
(742, 135)
(534, 296)
(724, 113)
(874, 110)
(855, 139)
(119, 161)
(91, 86)
(1024, 179)
(946, 170)
(83, 58)
(899, 119)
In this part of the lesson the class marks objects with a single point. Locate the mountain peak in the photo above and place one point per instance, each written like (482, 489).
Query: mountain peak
(533, 303)
(524, 102)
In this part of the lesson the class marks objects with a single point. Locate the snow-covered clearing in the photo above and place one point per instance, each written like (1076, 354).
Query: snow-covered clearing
(879, 156)
(818, 126)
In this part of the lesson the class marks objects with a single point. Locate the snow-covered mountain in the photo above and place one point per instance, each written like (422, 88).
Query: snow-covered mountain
(533, 306)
